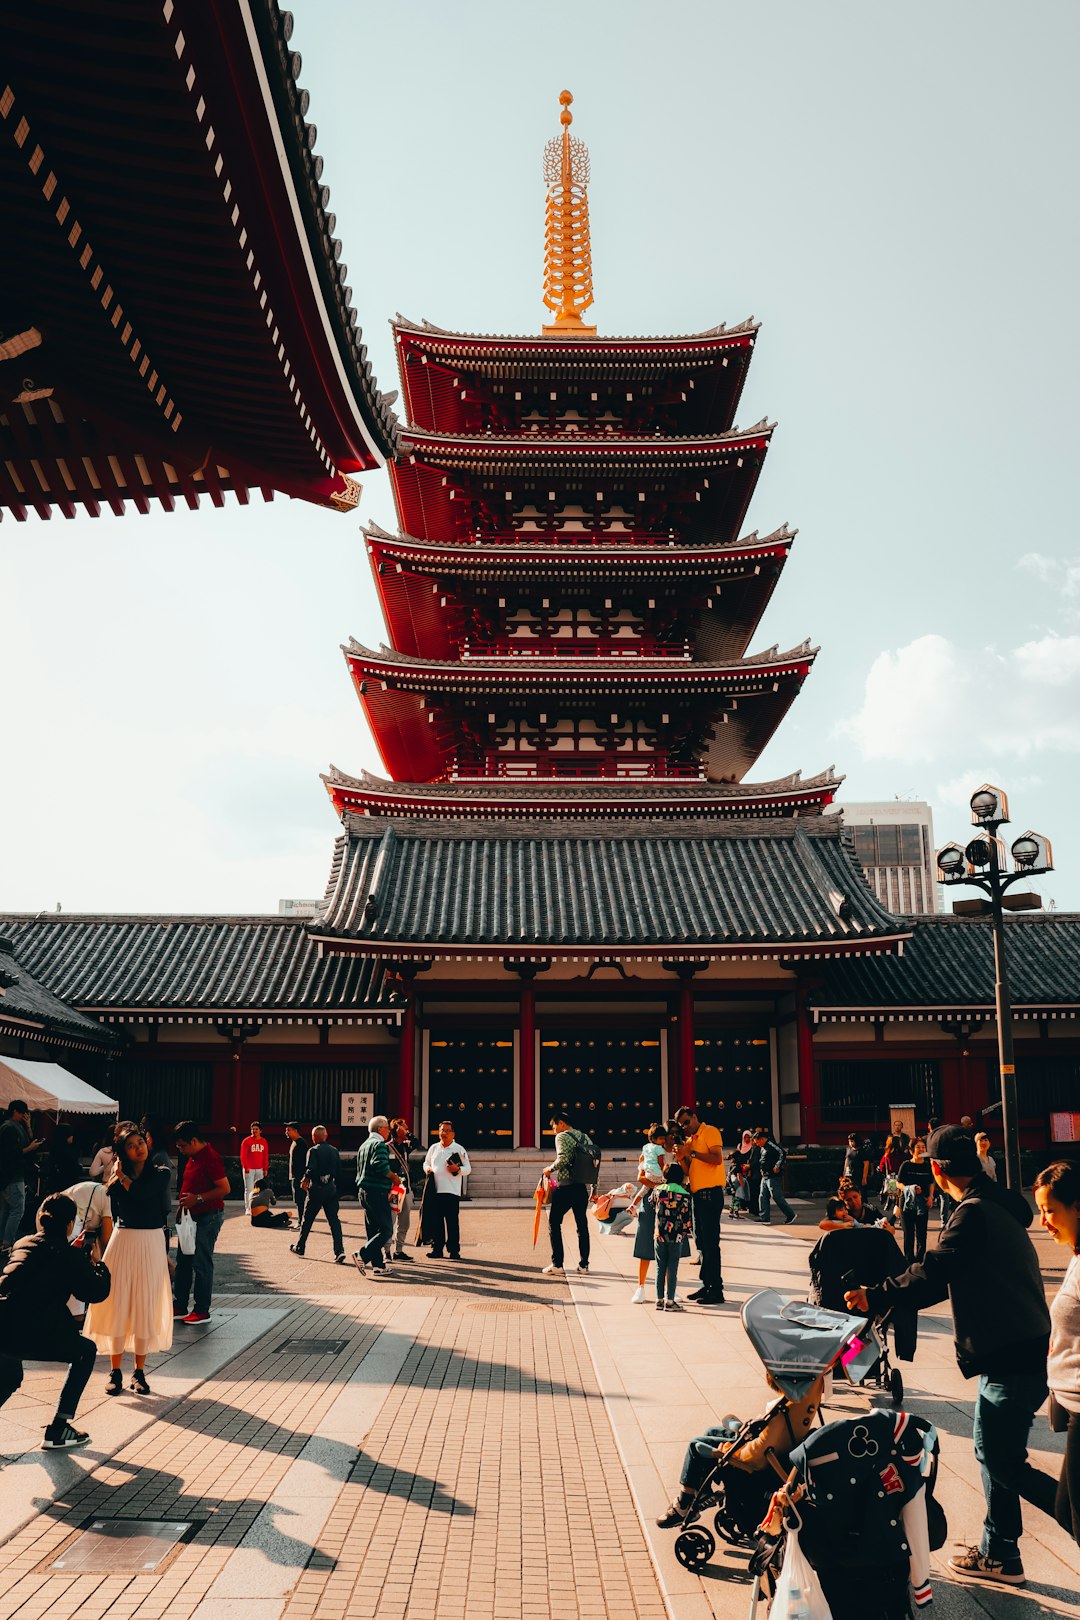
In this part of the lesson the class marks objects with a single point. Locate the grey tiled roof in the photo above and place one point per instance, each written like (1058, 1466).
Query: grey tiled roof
(27, 1006)
(710, 886)
(196, 965)
(948, 966)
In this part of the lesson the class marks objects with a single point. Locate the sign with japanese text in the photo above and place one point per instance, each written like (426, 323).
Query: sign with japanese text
(357, 1107)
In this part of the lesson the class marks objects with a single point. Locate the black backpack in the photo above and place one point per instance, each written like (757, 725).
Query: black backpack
(585, 1165)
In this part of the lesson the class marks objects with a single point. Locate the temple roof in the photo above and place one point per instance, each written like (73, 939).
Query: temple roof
(176, 314)
(576, 554)
(442, 338)
(32, 1012)
(598, 799)
(498, 452)
(705, 890)
(196, 969)
(418, 674)
(948, 971)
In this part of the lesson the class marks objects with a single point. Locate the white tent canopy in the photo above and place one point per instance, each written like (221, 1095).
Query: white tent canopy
(48, 1088)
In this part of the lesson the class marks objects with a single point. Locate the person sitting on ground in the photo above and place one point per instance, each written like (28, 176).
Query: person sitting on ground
(784, 1431)
(262, 1197)
(42, 1274)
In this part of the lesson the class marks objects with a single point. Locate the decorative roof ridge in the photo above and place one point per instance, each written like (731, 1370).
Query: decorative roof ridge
(161, 918)
(523, 547)
(603, 787)
(565, 665)
(759, 429)
(402, 323)
(784, 829)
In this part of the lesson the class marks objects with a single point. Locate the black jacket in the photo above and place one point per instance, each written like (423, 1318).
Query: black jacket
(37, 1282)
(986, 1266)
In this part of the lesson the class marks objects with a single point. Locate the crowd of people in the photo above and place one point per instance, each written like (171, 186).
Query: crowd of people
(96, 1275)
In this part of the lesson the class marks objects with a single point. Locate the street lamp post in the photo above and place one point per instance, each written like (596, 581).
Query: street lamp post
(983, 864)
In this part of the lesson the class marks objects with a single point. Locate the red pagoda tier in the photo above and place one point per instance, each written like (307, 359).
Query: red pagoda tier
(571, 601)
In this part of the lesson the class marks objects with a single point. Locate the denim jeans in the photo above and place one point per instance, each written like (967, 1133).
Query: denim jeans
(201, 1263)
(380, 1225)
(772, 1184)
(667, 1268)
(1004, 1409)
(699, 1461)
(12, 1204)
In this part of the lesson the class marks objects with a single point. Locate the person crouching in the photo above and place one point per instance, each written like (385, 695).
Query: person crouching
(43, 1272)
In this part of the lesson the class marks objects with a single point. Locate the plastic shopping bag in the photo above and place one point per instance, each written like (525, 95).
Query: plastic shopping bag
(798, 1590)
(185, 1231)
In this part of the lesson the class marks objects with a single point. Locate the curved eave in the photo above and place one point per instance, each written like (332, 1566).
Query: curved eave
(480, 560)
(401, 672)
(495, 452)
(405, 950)
(413, 802)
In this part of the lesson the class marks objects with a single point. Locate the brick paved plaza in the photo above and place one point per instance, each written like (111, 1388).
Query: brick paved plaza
(467, 1427)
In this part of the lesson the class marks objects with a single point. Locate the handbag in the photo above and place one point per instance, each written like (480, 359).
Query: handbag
(185, 1231)
(798, 1590)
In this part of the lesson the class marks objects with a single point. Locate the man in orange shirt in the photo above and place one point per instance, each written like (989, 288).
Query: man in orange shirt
(702, 1156)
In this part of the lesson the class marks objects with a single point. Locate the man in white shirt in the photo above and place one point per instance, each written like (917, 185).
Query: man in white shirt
(447, 1162)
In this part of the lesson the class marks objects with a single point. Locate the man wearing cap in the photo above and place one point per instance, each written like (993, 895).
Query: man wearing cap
(986, 1266)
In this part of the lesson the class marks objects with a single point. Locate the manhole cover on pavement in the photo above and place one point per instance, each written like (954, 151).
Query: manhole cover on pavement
(121, 1546)
(312, 1347)
(499, 1305)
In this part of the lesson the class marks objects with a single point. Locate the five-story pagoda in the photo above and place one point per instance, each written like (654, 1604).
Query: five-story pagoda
(568, 712)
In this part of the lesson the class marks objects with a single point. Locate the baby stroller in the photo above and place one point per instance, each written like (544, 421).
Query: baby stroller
(857, 1521)
(797, 1343)
(863, 1256)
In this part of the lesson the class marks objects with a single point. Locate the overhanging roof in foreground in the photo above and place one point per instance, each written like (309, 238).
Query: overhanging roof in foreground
(199, 970)
(176, 315)
(947, 971)
(711, 890)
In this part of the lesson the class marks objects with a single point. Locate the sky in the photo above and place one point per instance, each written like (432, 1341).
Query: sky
(890, 190)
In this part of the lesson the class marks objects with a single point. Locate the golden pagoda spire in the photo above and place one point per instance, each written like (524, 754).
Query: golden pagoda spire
(567, 253)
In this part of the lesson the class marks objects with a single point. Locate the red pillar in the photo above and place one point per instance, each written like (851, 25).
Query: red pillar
(527, 1066)
(407, 1059)
(687, 1097)
(809, 1100)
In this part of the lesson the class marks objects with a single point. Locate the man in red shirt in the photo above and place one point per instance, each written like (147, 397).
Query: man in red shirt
(254, 1160)
(202, 1191)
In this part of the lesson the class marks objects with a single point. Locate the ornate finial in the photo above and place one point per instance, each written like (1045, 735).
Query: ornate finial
(567, 251)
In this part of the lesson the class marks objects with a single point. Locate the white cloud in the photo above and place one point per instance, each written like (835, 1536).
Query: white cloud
(1063, 576)
(923, 700)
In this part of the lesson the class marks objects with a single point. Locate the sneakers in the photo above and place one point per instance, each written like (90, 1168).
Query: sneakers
(791, 1217)
(399, 1254)
(553, 1271)
(638, 1297)
(139, 1386)
(295, 1248)
(980, 1566)
(179, 1313)
(63, 1436)
(675, 1305)
(195, 1318)
(702, 1296)
(660, 1305)
(675, 1513)
(583, 1265)
(358, 1262)
(340, 1259)
(380, 1271)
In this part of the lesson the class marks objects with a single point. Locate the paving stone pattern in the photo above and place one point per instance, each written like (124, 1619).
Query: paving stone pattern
(491, 1459)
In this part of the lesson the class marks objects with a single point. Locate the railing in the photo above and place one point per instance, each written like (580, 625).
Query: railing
(575, 767)
(550, 646)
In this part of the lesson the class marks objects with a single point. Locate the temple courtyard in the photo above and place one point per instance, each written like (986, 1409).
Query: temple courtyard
(464, 1440)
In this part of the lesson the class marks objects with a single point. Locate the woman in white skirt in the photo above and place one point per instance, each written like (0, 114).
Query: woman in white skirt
(138, 1314)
